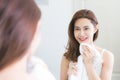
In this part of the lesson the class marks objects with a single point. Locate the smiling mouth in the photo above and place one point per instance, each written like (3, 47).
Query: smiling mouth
(82, 39)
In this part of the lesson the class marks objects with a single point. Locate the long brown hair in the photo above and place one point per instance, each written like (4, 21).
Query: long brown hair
(73, 46)
(18, 23)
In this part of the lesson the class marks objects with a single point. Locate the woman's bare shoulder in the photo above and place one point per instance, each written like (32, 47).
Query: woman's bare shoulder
(105, 51)
(108, 57)
(108, 54)
(65, 60)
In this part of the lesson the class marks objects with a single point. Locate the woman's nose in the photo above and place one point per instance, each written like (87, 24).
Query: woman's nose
(81, 33)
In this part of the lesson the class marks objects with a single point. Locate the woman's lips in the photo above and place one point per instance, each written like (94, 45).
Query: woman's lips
(82, 39)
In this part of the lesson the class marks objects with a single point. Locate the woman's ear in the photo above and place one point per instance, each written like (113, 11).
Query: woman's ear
(96, 28)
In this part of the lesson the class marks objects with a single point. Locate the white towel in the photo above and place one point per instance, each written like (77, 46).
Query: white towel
(82, 73)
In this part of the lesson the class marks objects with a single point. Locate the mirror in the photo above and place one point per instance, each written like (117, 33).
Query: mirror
(54, 25)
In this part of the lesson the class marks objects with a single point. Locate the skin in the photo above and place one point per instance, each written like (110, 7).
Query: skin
(83, 32)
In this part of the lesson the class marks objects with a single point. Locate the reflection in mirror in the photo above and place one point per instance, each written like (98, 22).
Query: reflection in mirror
(55, 20)
(83, 59)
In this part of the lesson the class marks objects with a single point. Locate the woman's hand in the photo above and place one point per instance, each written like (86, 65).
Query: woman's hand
(88, 55)
(72, 69)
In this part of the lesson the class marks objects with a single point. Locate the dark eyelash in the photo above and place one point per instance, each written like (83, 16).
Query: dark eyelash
(86, 28)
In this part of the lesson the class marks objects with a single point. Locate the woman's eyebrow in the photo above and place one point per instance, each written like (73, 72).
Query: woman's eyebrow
(82, 27)
(85, 26)
(77, 26)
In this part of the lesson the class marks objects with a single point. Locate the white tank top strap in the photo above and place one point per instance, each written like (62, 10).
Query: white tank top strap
(102, 52)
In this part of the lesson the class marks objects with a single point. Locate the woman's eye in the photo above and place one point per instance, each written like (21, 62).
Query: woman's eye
(86, 28)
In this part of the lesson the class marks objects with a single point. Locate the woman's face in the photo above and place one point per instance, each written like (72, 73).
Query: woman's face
(84, 30)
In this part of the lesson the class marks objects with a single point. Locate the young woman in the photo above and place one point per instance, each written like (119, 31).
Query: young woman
(19, 37)
(84, 28)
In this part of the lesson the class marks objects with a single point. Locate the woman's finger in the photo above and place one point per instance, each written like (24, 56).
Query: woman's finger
(73, 69)
(88, 52)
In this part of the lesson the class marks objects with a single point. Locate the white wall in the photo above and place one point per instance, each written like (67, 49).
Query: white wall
(54, 24)
(108, 14)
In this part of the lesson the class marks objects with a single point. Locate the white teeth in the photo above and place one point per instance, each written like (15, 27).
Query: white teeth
(82, 38)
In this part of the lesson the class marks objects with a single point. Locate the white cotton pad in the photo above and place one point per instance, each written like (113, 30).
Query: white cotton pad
(84, 44)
